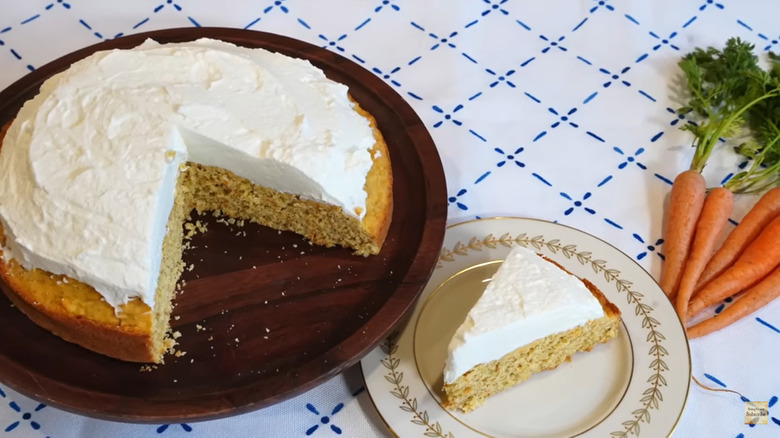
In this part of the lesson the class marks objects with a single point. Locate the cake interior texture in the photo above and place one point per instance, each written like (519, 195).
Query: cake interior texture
(134, 332)
(471, 390)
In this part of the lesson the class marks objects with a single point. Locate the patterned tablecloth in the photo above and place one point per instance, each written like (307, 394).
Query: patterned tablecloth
(559, 110)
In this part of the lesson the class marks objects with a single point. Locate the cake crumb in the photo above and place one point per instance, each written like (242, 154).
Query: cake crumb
(180, 353)
(176, 334)
(267, 330)
(177, 317)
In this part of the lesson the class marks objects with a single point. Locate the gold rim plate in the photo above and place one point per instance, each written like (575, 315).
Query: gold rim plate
(635, 385)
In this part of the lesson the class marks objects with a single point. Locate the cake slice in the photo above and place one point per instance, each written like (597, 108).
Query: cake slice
(532, 316)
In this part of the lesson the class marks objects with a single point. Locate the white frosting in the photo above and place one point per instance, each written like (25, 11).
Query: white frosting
(88, 167)
(527, 299)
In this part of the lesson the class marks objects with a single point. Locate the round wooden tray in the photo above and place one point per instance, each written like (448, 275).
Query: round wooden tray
(263, 316)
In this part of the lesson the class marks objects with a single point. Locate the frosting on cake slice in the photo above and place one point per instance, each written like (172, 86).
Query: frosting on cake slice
(530, 301)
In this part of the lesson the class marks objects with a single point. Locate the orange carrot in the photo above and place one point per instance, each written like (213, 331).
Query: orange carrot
(759, 215)
(685, 204)
(758, 260)
(714, 215)
(753, 299)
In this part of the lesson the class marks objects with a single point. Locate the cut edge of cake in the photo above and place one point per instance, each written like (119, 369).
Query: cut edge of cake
(471, 389)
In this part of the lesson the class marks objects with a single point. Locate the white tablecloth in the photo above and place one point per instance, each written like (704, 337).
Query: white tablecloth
(560, 110)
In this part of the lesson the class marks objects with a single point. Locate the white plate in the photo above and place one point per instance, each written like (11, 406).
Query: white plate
(635, 385)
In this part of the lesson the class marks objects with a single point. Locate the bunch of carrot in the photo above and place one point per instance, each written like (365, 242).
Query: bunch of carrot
(735, 97)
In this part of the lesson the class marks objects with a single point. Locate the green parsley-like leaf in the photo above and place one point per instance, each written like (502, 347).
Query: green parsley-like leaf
(736, 97)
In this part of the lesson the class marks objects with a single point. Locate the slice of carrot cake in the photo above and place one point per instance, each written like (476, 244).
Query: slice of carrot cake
(532, 316)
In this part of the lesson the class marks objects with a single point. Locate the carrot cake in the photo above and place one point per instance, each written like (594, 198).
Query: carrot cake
(99, 170)
(532, 316)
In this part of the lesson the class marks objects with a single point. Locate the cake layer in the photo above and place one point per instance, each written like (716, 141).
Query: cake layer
(471, 389)
(527, 299)
(88, 167)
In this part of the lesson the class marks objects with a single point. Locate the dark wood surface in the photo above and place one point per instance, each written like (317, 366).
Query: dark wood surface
(264, 316)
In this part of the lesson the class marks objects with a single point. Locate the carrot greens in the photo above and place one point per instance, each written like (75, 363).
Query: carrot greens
(736, 97)
(764, 150)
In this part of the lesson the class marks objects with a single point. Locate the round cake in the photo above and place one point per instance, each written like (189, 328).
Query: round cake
(99, 171)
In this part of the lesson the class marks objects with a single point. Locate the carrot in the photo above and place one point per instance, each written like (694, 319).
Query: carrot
(714, 215)
(764, 210)
(753, 299)
(758, 260)
(685, 204)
